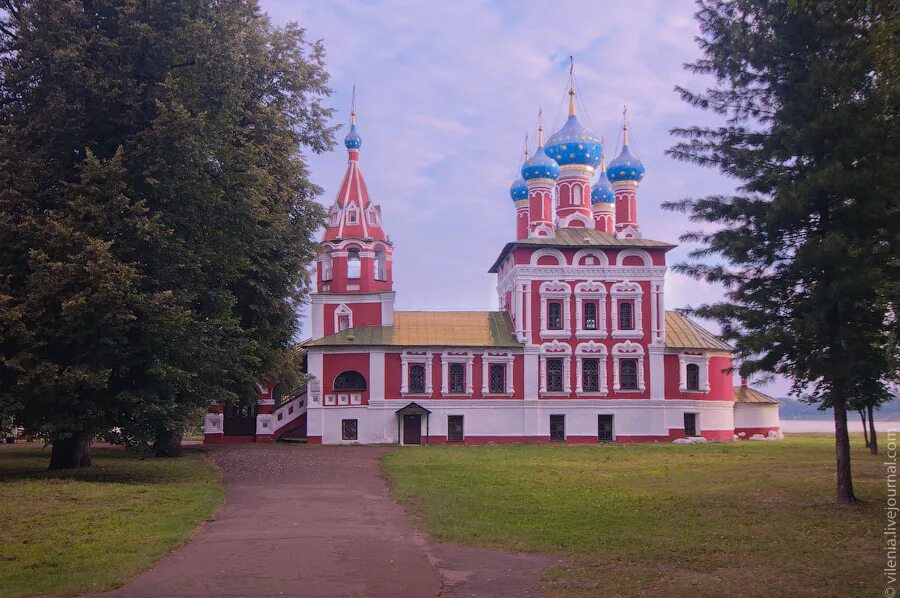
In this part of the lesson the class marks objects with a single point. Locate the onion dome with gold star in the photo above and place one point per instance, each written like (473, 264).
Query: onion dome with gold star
(573, 144)
(625, 167)
(519, 190)
(602, 191)
(540, 165)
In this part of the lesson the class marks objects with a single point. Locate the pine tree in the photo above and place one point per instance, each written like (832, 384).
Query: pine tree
(807, 246)
(155, 210)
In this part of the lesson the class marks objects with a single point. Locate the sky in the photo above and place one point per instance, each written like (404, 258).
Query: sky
(445, 93)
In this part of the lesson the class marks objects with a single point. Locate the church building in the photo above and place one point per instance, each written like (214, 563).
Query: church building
(581, 350)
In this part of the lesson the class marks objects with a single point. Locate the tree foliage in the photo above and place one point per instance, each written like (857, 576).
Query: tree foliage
(806, 249)
(156, 211)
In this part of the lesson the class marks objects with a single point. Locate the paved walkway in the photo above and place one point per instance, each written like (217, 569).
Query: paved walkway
(317, 521)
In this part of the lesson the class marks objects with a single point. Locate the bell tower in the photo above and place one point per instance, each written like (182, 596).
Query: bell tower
(353, 272)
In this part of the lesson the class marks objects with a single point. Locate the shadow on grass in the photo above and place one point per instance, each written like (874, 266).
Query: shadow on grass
(111, 465)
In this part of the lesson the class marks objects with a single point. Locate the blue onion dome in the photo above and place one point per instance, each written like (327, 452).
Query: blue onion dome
(573, 144)
(626, 167)
(602, 191)
(540, 166)
(518, 190)
(353, 141)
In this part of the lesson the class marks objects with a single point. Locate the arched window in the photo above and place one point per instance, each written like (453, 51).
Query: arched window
(380, 265)
(626, 316)
(353, 263)
(576, 195)
(326, 266)
(693, 376)
(350, 380)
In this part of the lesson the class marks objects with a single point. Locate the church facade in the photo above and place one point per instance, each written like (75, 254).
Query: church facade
(581, 350)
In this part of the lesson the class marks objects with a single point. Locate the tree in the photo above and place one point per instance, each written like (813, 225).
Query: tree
(807, 245)
(155, 210)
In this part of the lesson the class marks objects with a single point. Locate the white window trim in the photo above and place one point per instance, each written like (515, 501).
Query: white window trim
(626, 290)
(591, 350)
(487, 359)
(407, 358)
(465, 358)
(352, 216)
(563, 351)
(702, 361)
(342, 310)
(372, 215)
(590, 290)
(559, 291)
(628, 350)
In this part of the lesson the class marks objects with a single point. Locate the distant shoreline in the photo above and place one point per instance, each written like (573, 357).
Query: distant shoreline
(826, 425)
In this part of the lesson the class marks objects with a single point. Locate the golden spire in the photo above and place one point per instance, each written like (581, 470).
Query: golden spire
(525, 159)
(624, 125)
(540, 140)
(603, 155)
(571, 86)
(353, 107)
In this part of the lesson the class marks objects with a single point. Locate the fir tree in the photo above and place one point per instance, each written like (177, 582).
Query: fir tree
(807, 247)
(155, 210)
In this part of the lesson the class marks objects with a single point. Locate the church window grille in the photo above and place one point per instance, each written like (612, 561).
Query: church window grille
(554, 315)
(497, 376)
(628, 374)
(693, 376)
(626, 316)
(455, 428)
(350, 380)
(590, 375)
(417, 378)
(554, 375)
(457, 374)
(349, 429)
(590, 316)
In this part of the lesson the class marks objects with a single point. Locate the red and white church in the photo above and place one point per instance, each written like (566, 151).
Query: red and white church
(581, 350)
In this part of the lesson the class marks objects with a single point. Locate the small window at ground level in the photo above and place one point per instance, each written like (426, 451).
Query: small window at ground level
(455, 428)
(628, 374)
(558, 428)
(349, 429)
(457, 375)
(605, 428)
(497, 374)
(690, 424)
(693, 376)
(554, 375)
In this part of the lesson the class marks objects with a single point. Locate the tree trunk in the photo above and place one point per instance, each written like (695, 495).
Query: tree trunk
(167, 444)
(842, 450)
(862, 416)
(71, 452)
(873, 440)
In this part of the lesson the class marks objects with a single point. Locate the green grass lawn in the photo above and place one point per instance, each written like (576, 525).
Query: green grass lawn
(87, 530)
(755, 518)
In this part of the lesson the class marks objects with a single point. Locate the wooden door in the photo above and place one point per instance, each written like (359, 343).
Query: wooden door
(412, 429)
